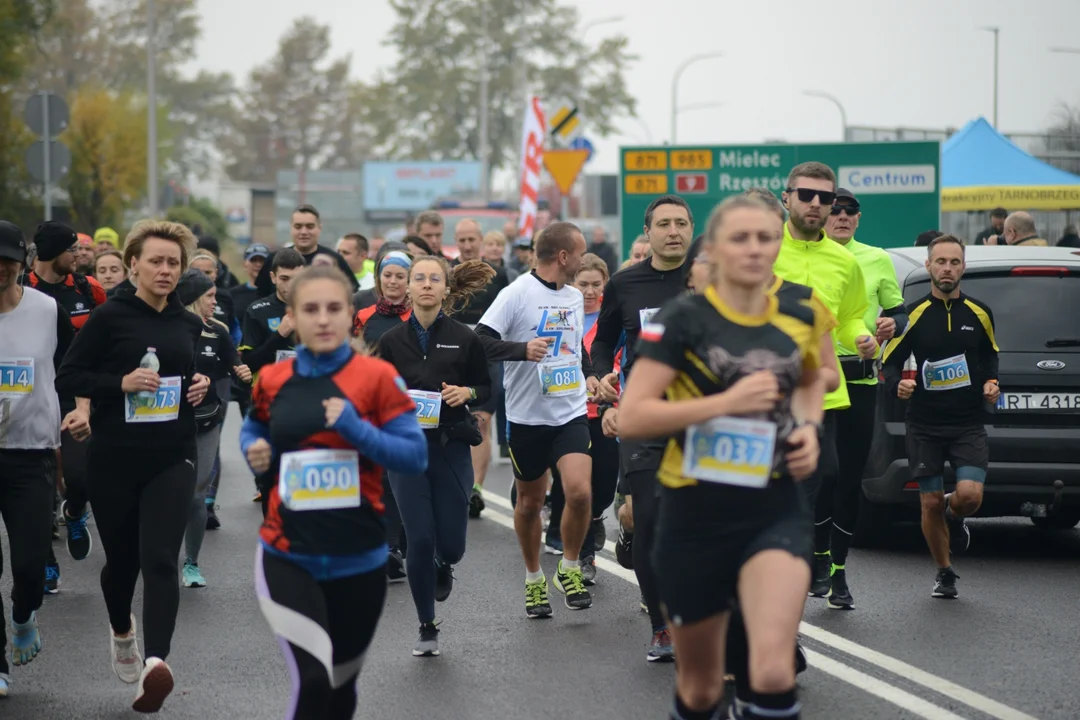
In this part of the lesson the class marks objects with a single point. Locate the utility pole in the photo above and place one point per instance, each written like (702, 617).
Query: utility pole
(151, 113)
(485, 79)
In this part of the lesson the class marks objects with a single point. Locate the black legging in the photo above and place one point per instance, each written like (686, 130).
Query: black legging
(73, 463)
(305, 613)
(854, 433)
(821, 486)
(141, 499)
(605, 476)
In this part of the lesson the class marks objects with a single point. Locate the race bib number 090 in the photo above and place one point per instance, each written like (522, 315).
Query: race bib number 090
(319, 480)
(16, 377)
(284, 355)
(948, 374)
(428, 408)
(163, 406)
(730, 451)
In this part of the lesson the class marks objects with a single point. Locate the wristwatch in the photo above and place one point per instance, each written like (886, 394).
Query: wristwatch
(472, 393)
(819, 426)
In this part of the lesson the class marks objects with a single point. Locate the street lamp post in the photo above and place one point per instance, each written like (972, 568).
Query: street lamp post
(151, 112)
(675, 88)
(601, 21)
(997, 32)
(839, 106)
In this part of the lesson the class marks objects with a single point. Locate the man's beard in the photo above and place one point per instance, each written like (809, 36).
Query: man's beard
(800, 223)
(945, 286)
(84, 268)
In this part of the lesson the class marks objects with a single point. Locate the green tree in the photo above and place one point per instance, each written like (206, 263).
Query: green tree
(428, 104)
(200, 215)
(298, 110)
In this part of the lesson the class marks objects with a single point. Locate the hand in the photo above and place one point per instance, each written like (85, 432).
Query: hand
(77, 422)
(592, 387)
(285, 329)
(866, 345)
(991, 391)
(537, 348)
(992, 240)
(455, 396)
(610, 423)
(802, 457)
(755, 393)
(905, 388)
(259, 455)
(243, 372)
(200, 384)
(886, 329)
(609, 387)
(334, 408)
(140, 380)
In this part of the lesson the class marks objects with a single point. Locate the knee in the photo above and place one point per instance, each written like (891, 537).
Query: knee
(933, 503)
(967, 499)
(578, 496)
(699, 693)
(529, 505)
(772, 669)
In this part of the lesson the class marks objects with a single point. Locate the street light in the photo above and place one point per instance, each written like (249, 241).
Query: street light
(821, 94)
(151, 112)
(675, 88)
(997, 32)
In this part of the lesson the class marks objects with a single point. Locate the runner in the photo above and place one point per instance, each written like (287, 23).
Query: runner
(632, 297)
(354, 248)
(538, 325)
(739, 368)
(36, 332)
(951, 336)
(135, 357)
(443, 364)
(109, 269)
(305, 229)
(335, 414)
(268, 331)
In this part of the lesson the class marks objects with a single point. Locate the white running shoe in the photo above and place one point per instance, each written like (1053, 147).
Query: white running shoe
(155, 684)
(127, 661)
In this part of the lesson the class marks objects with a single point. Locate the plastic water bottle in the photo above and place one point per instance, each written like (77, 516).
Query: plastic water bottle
(150, 362)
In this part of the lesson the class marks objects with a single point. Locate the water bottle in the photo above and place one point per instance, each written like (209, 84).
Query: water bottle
(150, 362)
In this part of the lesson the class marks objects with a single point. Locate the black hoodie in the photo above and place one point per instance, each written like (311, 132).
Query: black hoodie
(111, 345)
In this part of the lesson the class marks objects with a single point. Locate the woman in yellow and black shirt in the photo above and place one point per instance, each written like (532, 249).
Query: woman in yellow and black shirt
(739, 368)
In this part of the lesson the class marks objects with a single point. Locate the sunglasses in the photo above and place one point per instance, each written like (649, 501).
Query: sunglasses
(807, 195)
(850, 210)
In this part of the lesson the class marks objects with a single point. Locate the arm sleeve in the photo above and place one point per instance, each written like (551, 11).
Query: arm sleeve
(899, 314)
(890, 297)
(853, 306)
(65, 334)
(78, 374)
(251, 431)
(662, 340)
(398, 446)
(608, 330)
(496, 349)
(587, 369)
(893, 358)
(479, 379)
(989, 350)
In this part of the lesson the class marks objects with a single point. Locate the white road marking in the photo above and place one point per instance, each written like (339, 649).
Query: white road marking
(949, 689)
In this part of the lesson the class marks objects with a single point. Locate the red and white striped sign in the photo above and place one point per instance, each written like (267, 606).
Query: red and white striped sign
(532, 157)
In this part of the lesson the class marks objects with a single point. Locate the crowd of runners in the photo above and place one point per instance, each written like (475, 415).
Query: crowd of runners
(718, 389)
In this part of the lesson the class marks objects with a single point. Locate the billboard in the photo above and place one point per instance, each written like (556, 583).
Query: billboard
(411, 186)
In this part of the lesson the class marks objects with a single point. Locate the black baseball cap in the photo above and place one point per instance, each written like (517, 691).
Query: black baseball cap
(256, 250)
(844, 193)
(12, 242)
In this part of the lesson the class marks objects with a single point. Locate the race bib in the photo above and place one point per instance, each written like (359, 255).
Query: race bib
(428, 407)
(948, 374)
(559, 378)
(730, 451)
(163, 406)
(319, 480)
(645, 315)
(284, 355)
(16, 377)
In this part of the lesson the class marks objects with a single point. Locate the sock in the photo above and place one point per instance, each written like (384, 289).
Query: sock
(770, 706)
(533, 577)
(835, 567)
(820, 555)
(477, 488)
(568, 565)
(681, 712)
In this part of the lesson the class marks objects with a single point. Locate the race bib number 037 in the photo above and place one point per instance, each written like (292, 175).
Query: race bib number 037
(16, 377)
(730, 451)
(319, 480)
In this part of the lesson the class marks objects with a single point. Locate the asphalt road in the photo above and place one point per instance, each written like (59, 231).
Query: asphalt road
(1007, 649)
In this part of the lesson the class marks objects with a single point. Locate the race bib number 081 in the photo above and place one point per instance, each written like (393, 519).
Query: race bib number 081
(560, 378)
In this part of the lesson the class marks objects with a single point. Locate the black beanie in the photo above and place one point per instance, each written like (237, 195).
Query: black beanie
(52, 239)
(192, 286)
(209, 242)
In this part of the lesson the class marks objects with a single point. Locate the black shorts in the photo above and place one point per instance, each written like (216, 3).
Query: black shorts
(705, 534)
(928, 447)
(535, 449)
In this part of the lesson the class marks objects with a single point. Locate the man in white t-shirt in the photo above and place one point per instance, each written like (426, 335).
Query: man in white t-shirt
(536, 325)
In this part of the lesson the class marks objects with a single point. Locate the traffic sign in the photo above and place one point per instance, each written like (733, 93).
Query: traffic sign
(897, 183)
(59, 160)
(692, 183)
(564, 167)
(57, 114)
(565, 122)
(582, 143)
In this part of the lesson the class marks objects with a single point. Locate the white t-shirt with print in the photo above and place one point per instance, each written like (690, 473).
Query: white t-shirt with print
(526, 310)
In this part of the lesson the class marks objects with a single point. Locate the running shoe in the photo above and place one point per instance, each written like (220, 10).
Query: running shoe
(5, 685)
(643, 605)
(599, 533)
(395, 567)
(553, 545)
(444, 580)
(127, 661)
(193, 577)
(52, 578)
(571, 584)
(25, 641)
(624, 548)
(212, 521)
(428, 644)
(959, 535)
(476, 502)
(588, 569)
(945, 584)
(536, 599)
(79, 540)
(839, 594)
(155, 684)
(661, 649)
(258, 496)
(819, 584)
(800, 658)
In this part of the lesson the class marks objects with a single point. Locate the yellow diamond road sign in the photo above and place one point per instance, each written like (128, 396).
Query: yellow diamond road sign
(565, 122)
(564, 166)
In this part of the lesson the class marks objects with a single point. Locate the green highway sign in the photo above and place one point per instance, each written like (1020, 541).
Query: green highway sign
(897, 183)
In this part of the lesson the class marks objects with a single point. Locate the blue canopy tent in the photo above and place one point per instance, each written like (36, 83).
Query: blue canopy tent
(981, 169)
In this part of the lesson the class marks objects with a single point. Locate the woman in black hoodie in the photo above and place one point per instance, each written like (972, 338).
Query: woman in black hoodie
(141, 460)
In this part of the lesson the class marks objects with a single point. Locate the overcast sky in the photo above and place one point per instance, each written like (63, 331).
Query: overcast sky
(911, 63)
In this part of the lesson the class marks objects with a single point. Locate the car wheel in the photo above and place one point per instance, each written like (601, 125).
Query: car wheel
(1057, 521)
(875, 527)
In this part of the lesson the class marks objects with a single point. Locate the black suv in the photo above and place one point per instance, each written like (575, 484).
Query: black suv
(1034, 432)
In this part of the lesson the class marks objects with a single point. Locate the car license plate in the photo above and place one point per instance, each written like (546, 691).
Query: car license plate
(1038, 402)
